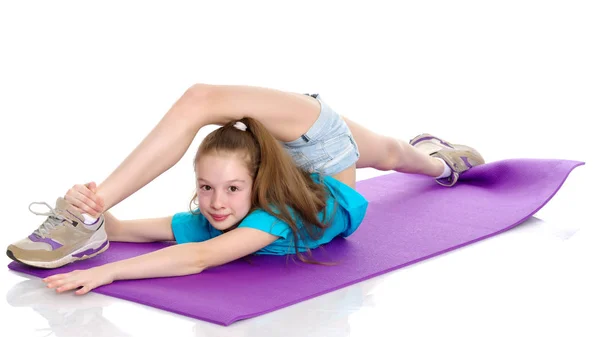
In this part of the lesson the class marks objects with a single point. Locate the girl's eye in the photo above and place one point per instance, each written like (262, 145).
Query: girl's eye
(205, 188)
(233, 188)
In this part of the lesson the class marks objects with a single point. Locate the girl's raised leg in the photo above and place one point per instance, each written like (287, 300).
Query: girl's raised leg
(286, 115)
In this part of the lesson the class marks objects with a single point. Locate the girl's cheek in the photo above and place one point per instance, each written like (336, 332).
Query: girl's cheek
(242, 200)
(202, 201)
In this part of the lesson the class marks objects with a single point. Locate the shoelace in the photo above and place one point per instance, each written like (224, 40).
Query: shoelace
(54, 219)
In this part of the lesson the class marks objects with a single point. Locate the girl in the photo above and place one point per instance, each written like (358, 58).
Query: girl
(276, 178)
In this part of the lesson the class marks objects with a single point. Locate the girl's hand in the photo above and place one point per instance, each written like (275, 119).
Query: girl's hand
(85, 200)
(86, 279)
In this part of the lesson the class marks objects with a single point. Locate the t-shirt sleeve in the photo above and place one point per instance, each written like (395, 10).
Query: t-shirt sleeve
(190, 227)
(261, 220)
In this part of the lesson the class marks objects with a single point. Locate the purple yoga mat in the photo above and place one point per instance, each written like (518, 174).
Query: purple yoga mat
(410, 218)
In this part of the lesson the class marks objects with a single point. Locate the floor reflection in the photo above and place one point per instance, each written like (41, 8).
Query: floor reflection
(325, 315)
(68, 315)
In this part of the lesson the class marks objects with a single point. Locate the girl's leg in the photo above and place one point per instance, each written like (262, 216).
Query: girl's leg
(387, 153)
(286, 115)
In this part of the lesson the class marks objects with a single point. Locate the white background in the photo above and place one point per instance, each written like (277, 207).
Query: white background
(82, 83)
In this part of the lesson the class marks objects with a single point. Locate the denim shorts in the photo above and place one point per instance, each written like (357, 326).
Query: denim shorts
(328, 147)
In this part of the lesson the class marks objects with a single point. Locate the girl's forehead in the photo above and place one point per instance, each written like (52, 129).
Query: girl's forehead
(220, 158)
(221, 167)
(223, 154)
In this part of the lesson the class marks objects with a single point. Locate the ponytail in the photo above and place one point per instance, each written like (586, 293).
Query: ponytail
(279, 185)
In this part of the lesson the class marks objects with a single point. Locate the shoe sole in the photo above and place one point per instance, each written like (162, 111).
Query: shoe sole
(463, 157)
(433, 144)
(88, 251)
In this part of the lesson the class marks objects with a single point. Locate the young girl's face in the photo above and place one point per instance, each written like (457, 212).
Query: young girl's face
(224, 187)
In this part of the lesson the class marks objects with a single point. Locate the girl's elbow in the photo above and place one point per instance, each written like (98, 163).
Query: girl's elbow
(200, 265)
(201, 259)
(206, 256)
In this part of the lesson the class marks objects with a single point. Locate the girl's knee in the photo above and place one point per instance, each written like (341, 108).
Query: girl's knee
(198, 93)
(193, 103)
(396, 155)
(379, 152)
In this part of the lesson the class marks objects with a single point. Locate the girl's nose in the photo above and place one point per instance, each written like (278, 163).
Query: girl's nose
(216, 200)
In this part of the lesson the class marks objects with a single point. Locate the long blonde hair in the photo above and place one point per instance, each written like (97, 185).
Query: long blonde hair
(279, 185)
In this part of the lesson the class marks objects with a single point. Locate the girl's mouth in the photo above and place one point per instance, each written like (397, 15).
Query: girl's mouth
(217, 217)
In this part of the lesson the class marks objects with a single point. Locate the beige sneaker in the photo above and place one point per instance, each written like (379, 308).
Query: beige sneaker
(460, 158)
(62, 238)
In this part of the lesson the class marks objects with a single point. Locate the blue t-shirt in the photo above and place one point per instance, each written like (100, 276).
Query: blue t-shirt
(347, 216)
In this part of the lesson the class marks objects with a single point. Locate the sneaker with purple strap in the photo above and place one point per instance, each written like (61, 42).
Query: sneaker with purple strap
(459, 158)
(62, 238)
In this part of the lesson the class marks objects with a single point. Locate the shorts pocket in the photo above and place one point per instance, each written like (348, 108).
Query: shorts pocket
(309, 158)
(339, 146)
(300, 159)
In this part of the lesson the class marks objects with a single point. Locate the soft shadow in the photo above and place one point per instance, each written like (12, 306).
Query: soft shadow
(68, 315)
(560, 231)
(325, 315)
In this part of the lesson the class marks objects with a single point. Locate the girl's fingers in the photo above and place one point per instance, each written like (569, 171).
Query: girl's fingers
(55, 281)
(69, 281)
(91, 186)
(80, 206)
(89, 193)
(82, 211)
(84, 290)
(85, 197)
(56, 284)
(67, 287)
(72, 284)
(53, 278)
(89, 199)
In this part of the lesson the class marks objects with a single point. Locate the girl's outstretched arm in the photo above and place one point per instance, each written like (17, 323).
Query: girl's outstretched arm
(176, 260)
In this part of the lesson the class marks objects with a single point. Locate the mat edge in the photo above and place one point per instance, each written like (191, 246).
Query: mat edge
(573, 165)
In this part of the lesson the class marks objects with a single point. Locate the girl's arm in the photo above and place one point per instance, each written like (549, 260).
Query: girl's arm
(177, 260)
(192, 258)
(141, 230)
